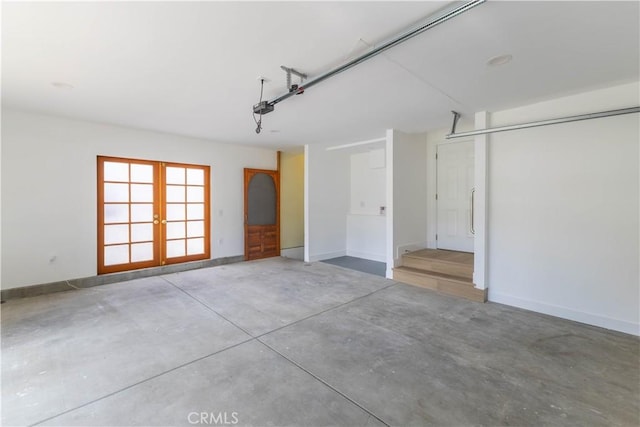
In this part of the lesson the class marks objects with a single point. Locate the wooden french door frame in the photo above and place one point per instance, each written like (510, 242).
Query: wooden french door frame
(141, 217)
(202, 235)
(122, 217)
(265, 233)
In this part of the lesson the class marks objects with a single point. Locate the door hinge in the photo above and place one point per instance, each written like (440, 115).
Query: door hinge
(436, 196)
(436, 237)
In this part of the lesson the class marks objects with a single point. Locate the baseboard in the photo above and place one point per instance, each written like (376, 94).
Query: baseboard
(567, 313)
(409, 247)
(293, 253)
(105, 279)
(327, 255)
(366, 255)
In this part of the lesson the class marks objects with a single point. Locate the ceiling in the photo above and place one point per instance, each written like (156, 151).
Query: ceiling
(192, 68)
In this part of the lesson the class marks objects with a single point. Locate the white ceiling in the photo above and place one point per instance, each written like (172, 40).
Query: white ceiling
(191, 68)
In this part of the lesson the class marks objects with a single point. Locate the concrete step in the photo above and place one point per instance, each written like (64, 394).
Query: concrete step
(441, 282)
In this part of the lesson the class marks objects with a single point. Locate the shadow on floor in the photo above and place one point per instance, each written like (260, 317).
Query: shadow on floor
(359, 264)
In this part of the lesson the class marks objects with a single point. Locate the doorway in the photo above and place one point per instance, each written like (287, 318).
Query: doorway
(261, 214)
(455, 196)
(151, 213)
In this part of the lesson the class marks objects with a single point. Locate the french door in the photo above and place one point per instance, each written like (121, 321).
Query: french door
(151, 213)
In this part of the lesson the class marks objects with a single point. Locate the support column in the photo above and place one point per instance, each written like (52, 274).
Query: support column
(481, 203)
(389, 209)
(307, 239)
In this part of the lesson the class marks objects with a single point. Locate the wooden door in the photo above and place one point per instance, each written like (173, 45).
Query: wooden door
(151, 213)
(185, 219)
(128, 214)
(261, 214)
(455, 178)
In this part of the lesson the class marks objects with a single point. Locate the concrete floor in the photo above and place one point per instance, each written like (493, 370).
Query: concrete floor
(278, 342)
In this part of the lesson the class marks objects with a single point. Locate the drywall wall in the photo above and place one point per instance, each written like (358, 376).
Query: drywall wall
(367, 236)
(367, 182)
(408, 178)
(292, 204)
(49, 229)
(326, 198)
(366, 228)
(563, 211)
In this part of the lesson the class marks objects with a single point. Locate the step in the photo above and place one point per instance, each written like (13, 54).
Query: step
(445, 267)
(444, 283)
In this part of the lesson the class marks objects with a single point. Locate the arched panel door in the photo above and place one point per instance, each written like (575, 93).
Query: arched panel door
(261, 214)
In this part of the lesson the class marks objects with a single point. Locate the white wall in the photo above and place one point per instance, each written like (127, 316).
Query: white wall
(366, 229)
(366, 236)
(408, 178)
(49, 191)
(326, 202)
(563, 211)
(367, 182)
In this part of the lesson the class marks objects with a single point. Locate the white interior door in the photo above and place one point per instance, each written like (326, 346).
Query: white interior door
(455, 196)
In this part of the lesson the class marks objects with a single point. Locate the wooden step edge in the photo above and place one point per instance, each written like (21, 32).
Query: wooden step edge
(443, 285)
(444, 261)
(418, 271)
(466, 264)
(461, 270)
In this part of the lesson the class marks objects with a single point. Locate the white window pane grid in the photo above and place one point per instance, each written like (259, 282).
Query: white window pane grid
(176, 211)
(195, 176)
(195, 194)
(174, 175)
(115, 192)
(195, 229)
(195, 211)
(141, 252)
(116, 171)
(116, 234)
(116, 213)
(141, 173)
(117, 254)
(142, 193)
(175, 194)
(142, 232)
(141, 212)
(175, 248)
(176, 230)
(195, 246)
